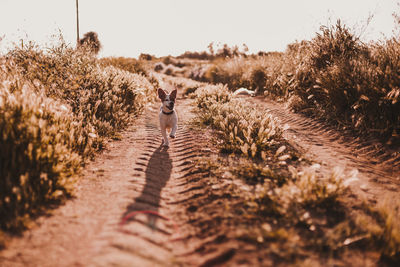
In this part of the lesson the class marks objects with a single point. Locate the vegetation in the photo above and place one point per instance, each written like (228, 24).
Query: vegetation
(57, 107)
(293, 216)
(219, 51)
(91, 42)
(128, 64)
(243, 128)
(334, 76)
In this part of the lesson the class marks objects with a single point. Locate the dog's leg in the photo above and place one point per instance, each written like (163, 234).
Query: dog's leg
(173, 131)
(165, 137)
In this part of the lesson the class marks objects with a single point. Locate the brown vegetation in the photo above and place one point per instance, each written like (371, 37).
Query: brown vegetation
(334, 76)
(293, 216)
(91, 42)
(56, 109)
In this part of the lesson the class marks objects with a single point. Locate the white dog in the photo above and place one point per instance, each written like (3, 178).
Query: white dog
(168, 116)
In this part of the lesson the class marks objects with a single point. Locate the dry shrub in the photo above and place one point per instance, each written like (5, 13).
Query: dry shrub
(56, 109)
(351, 83)
(90, 42)
(228, 71)
(334, 76)
(146, 57)
(262, 74)
(128, 64)
(42, 145)
(169, 71)
(242, 128)
(159, 66)
(104, 97)
(208, 95)
(389, 237)
(196, 55)
(284, 208)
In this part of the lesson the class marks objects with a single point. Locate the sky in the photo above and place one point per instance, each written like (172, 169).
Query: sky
(170, 27)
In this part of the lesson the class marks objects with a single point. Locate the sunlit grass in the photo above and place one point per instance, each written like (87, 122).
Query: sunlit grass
(57, 108)
(243, 128)
(290, 212)
(334, 76)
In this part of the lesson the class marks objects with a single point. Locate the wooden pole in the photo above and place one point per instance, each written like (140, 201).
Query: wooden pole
(77, 23)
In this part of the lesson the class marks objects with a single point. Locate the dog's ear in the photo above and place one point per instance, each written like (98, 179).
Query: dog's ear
(173, 95)
(161, 94)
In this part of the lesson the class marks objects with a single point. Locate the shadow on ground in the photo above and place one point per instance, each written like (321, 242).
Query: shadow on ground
(157, 173)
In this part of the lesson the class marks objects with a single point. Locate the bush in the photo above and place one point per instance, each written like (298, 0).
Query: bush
(229, 72)
(56, 109)
(145, 57)
(40, 148)
(243, 128)
(128, 64)
(159, 66)
(334, 76)
(90, 42)
(104, 97)
(350, 83)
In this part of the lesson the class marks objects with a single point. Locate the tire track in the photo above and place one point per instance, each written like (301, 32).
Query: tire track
(158, 170)
(135, 174)
(374, 169)
(166, 182)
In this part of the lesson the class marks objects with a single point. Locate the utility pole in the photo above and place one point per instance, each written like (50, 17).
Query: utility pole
(77, 23)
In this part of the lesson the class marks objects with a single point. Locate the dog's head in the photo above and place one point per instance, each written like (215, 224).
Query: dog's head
(168, 100)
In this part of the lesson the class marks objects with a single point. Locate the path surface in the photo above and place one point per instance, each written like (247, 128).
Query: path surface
(133, 174)
(137, 174)
(374, 174)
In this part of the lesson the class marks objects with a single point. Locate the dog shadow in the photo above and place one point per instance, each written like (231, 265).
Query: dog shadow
(157, 174)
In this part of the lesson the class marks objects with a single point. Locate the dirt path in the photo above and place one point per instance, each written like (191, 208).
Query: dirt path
(136, 174)
(374, 173)
(133, 174)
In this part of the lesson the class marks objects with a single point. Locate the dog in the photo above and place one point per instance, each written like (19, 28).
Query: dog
(244, 91)
(168, 116)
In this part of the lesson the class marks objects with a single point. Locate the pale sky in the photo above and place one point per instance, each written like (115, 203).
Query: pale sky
(162, 27)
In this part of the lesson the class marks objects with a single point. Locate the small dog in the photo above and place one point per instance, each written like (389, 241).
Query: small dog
(167, 115)
(244, 91)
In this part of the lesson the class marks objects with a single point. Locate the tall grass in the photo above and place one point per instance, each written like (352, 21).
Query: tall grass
(243, 128)
(57, 107)
(334, 76)
(128, 64)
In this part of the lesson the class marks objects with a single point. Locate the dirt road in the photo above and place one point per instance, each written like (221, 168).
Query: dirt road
(101, 225)
(133, 174)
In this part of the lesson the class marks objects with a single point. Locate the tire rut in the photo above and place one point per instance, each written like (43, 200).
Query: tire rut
(160, 172)
(374, 169)
(129, 208)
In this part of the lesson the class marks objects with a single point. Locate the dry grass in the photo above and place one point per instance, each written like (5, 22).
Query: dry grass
(334, 76)
(128, 64)
(294, 217)
(57, 107)
(243, 128)
(385, 229)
